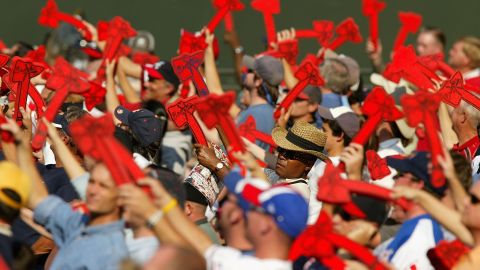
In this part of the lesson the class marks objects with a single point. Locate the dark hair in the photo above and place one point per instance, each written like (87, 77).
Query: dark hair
(7, 213)
(171, 181)
(23, 48)
(437, 33)
(463, 169)
(338, 131)
(266, 90)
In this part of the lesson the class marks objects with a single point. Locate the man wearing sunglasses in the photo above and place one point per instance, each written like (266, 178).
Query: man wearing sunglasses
(298, 149)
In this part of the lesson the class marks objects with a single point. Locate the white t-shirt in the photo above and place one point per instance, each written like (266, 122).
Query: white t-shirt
(226, 258)
(314, 205)
(407, 250)
(141, 249)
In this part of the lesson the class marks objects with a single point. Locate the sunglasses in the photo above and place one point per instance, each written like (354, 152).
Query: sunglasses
(474, 199)
(292, 155)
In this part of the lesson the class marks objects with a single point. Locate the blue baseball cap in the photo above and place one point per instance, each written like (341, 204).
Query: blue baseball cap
(288, 207)
(417, 165)
(143, 123)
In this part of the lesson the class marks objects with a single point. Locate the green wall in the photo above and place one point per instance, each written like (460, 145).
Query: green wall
(164, 18)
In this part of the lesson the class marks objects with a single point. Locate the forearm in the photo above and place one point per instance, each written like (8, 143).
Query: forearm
(70, 164)
(129, 67)
(185, 228)
(448, 218)
(211, 73)
(458, 192)
(25, 162)
(130, 94)
(449, 136)
(9, 152)
(289, 77)
(111, 98)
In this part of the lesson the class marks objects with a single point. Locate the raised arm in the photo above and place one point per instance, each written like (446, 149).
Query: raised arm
(126, 68)
(447, 217)
(25, 162)
(70, 164)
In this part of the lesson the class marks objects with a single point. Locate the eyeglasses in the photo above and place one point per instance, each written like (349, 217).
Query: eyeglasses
(474, 199)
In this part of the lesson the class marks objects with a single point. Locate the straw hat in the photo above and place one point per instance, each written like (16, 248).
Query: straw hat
(302, 137)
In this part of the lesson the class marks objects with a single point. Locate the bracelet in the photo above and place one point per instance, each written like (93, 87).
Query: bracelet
(154, 219)
(239, 50)
(169, 206)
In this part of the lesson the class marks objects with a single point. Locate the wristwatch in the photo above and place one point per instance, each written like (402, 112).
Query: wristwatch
(219, 166)
(239, 50)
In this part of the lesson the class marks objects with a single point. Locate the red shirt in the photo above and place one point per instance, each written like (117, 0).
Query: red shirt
(469, 149)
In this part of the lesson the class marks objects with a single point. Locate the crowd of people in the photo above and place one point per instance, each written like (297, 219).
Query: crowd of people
(271, 199)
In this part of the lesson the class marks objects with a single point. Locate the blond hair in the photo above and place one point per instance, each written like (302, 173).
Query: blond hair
(471, 48)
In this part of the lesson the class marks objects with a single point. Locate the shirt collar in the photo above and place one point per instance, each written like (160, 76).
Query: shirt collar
(113, 226)
(471, 74)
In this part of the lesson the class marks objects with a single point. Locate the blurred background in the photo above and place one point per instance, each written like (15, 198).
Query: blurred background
(165, 18)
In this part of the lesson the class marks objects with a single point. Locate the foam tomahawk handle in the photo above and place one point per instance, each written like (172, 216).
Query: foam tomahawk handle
(307, 74)
(50, 16)
(371, 9)
(411, 22)
(268, 8)
(181, 112)
(186, 67)
(249, 130)
(422, 108)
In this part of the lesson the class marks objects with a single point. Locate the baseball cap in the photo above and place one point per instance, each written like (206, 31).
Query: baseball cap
(311, 93)
(15, 186)
(61, 122)
(143, 123)
(344, 116)
(162, 70)
(143, 41)
(341, 72)
(375, 210)
(194, 195)
(417, 165)
(287, 207)
(267, 67)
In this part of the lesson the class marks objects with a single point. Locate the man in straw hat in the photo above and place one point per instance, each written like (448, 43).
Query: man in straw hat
(298, 149)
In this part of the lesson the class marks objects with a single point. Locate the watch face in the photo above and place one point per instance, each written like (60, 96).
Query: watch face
(219, 165)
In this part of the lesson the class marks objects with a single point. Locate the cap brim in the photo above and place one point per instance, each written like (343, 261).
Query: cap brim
(325, 113)
(121, 113)
(279, 137)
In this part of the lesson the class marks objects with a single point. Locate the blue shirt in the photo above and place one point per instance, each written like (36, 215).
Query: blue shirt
(81, 246)
(263, 115)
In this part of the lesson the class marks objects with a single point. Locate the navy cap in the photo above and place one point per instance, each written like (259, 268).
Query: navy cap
(417, 165)
(145, 127)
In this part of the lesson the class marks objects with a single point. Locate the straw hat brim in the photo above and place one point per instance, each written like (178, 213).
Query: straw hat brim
(279, 137)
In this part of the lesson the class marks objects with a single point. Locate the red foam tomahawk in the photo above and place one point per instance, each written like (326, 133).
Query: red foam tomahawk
(181, 112)
(268, 8)
(21, 71)
(435, 62)
(214, 111)
(307, 74)
(405, 65)
(371, 9)
(118, 29)
(377, 166)
(249, 130)
(38, 56)
(65, 80)
(346, 31)
(411, 22)
(94, 137)
(50, 16)
(224, 7)
(378, 106)
(186, 67)
(322, 30)
(454, 90)
(38, 101)
(95, 95)
(421, 108)
(321, 242)
(335, 190)
(446, 254)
